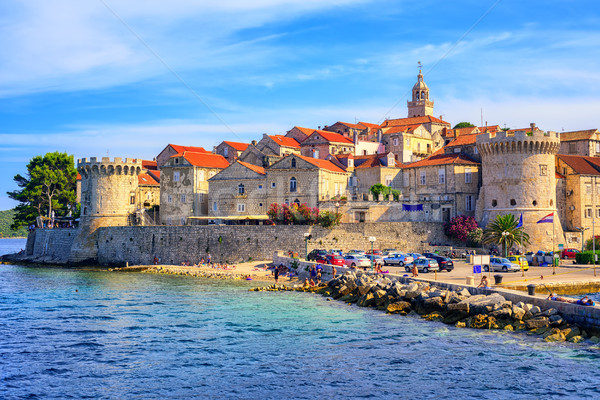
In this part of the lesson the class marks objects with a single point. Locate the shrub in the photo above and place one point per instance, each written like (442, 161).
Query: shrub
(459, 227)
(586, 257)
(475, 237)
(588, 243)
(295, 214)
(379, 188)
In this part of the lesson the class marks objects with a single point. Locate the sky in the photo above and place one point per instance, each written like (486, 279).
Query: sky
(125, 78)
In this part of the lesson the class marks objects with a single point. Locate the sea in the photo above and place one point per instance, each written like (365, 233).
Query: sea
(89, 333)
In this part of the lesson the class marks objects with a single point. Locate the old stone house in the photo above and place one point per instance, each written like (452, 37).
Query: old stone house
(299, 179)
(373, 169)
(269, 149)
(582, 143)
(323, 143)
(465, 144)
(172, 149)
(299, 133)
(184, 185)
(239, 189)
(453, 180)
(230, 150)
(410, 142)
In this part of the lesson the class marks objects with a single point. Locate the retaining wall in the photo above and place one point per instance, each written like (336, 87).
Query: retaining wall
(50, 245)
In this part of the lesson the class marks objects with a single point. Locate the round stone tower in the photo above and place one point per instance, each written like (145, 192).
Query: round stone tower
(518, 176)
(108, 190)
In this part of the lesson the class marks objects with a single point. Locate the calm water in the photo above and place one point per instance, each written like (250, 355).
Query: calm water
(77, 334)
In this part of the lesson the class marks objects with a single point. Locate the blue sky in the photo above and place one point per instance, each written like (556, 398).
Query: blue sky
(101, 77)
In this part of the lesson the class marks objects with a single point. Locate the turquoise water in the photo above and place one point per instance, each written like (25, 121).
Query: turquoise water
(96, 334)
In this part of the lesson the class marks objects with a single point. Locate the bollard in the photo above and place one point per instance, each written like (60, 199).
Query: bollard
(498, 279)
(471, 280)
(126, 264)
(531, 289)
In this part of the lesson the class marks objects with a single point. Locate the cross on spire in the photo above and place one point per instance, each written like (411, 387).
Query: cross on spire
(420, 66)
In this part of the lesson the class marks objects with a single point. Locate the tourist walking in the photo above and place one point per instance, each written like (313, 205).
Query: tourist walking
(333, 271)
(415, 271)
(276, 273)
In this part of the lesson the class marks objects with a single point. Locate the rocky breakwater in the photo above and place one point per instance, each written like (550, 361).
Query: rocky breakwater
(188, 271)
(459, 308)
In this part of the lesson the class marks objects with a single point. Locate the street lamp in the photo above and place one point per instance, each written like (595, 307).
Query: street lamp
(372, 240)
(306, 237)
(337, 209)
(581, 229)
(504, 235)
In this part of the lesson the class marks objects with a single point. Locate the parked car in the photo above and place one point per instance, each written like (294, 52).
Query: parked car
(397, 259)
(445, 263)
(355, 251)
(377, 259)
(416, 256)
(312, 256)
(354, 260)
(501, 264)
(424, 265)
(334, 259)
(568, 253)
(321, 259)
(519, 260)
(375, 251)
(339, 252)
(387, 252)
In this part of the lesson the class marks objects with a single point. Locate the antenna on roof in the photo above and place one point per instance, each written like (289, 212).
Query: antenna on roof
(481, 117)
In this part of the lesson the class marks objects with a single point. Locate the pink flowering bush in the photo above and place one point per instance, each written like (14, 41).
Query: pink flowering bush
(459, 227)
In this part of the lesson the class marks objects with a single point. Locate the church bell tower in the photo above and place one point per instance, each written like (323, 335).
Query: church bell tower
(420, 105)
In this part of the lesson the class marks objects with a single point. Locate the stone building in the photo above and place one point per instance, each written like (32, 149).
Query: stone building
(230, 150)
(582, 143)
(420, 105)
(320, 144)
(239, 189)
(450, 181)
(184, 185)
(518, 177)
(148, 190)
(409, 142)
(269, 150)
(465, 144)
(299, 133)
(580, 196)
(172, 149)
(373, 169)
(299, 179)
(363, 131)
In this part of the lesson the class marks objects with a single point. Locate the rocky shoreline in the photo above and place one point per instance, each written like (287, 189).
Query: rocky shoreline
(189, 271)
(459, 308)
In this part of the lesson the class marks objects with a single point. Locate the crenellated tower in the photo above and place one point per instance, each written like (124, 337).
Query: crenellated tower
(518, 176)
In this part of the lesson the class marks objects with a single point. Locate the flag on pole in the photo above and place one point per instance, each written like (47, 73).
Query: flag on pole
(520, 224)
(548, 218)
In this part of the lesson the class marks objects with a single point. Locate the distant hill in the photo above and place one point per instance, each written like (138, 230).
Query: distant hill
(6, 219)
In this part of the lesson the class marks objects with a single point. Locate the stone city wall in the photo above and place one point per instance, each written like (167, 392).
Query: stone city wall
(51, 245)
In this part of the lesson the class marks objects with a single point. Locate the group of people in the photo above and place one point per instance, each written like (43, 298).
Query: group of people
(281, 270)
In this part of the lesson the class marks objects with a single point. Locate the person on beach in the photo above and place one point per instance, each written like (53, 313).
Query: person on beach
(319, 275)
(415, 271)
(276, 273)
(484, 283)
(333, 271)
(312, 283)
(155, 260)
(208, 258)
(306, 283)
(313, 273)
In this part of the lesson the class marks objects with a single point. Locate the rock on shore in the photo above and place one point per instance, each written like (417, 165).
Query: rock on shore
(458, 308)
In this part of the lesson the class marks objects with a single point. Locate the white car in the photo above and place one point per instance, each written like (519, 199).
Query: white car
(398, 259)
(353, 260)
(502, 264)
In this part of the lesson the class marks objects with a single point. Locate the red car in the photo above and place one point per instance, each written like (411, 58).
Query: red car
(375, 251)
(334, 259)
(568, 253)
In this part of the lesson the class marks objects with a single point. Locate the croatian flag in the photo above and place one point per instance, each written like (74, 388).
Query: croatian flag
(548, 218)
(520, 224)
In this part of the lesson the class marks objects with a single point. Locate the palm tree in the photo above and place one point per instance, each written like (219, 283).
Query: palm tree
(503, 231)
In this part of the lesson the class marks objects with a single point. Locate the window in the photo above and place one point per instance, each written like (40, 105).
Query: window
(337, 190)
(468, 177)
(315, 153)
(287, 202)
(457, 149)
(598, 213)
(169, 199)
(273, 184)
(182, 221)
(132, 199)
(241, 207)
(588, 213)
(423, 178)
(241, 188)
(293, 163)
(350, 163)
(572, 148)
(441, 176)
(259, 187)
(418, 147)
(406, 178)
(475, 151)
(588, 189)
(543, 170)
(183, 198)
(395, 141)
(260, 204)
(214, 206)
(388, 180)
(513, 202)
(297, 202)
(293, 183)
(226, 152)
(494, 203)
(176, 176)
(469, 203)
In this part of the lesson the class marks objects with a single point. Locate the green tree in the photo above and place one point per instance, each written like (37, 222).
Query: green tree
(379, 188)
(503, 231)
(463, 125)
(49, 185)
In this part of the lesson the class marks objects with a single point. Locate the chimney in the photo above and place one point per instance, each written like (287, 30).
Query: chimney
(254, 143)
(319, 127)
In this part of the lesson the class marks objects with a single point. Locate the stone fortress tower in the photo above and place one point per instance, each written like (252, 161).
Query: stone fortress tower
(420, 105)
(108, 190)
(518, 176)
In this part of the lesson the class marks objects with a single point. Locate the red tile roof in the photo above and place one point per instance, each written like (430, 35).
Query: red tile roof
(411, 121)
(255, 168)
(443, 159)
(373, 160)
(324, 164)
(78, 176)
(350, 125)
(306, 131)
(490, 128)
(206, 160)
(558, 176)
(147, 164)
(333, 137)
(155, 174)
(577, 135)
(464, 140)
(285, 141)
(147, 179)
(466, 131)
(237, 145)
(401, 129)
(181, 149)
(581, 164)
(369, 125)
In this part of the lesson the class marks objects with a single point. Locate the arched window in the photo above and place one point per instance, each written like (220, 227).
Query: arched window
(417, 95)
(293, 186)
(241, 188)
(297, 202)
(293, 163)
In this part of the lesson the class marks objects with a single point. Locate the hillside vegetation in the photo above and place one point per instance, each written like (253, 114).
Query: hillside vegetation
(6, 219)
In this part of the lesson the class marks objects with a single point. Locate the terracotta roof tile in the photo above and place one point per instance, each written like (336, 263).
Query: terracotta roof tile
(252, 167)
(147, 179)
(369, 125)
(401, 129)
(147, 164)
(558, 176)
(466, 131)
(464, 140)
(411, 121)
(443, 159)
(155, 174)
(306, 131)
(181, 149)
(333, 137)
(373, 160)
(577, 135)
(324, 164)
(490, 128)
(285, 141)
(237, 145)
(206, 160)
(350, 125)
(581, 164)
